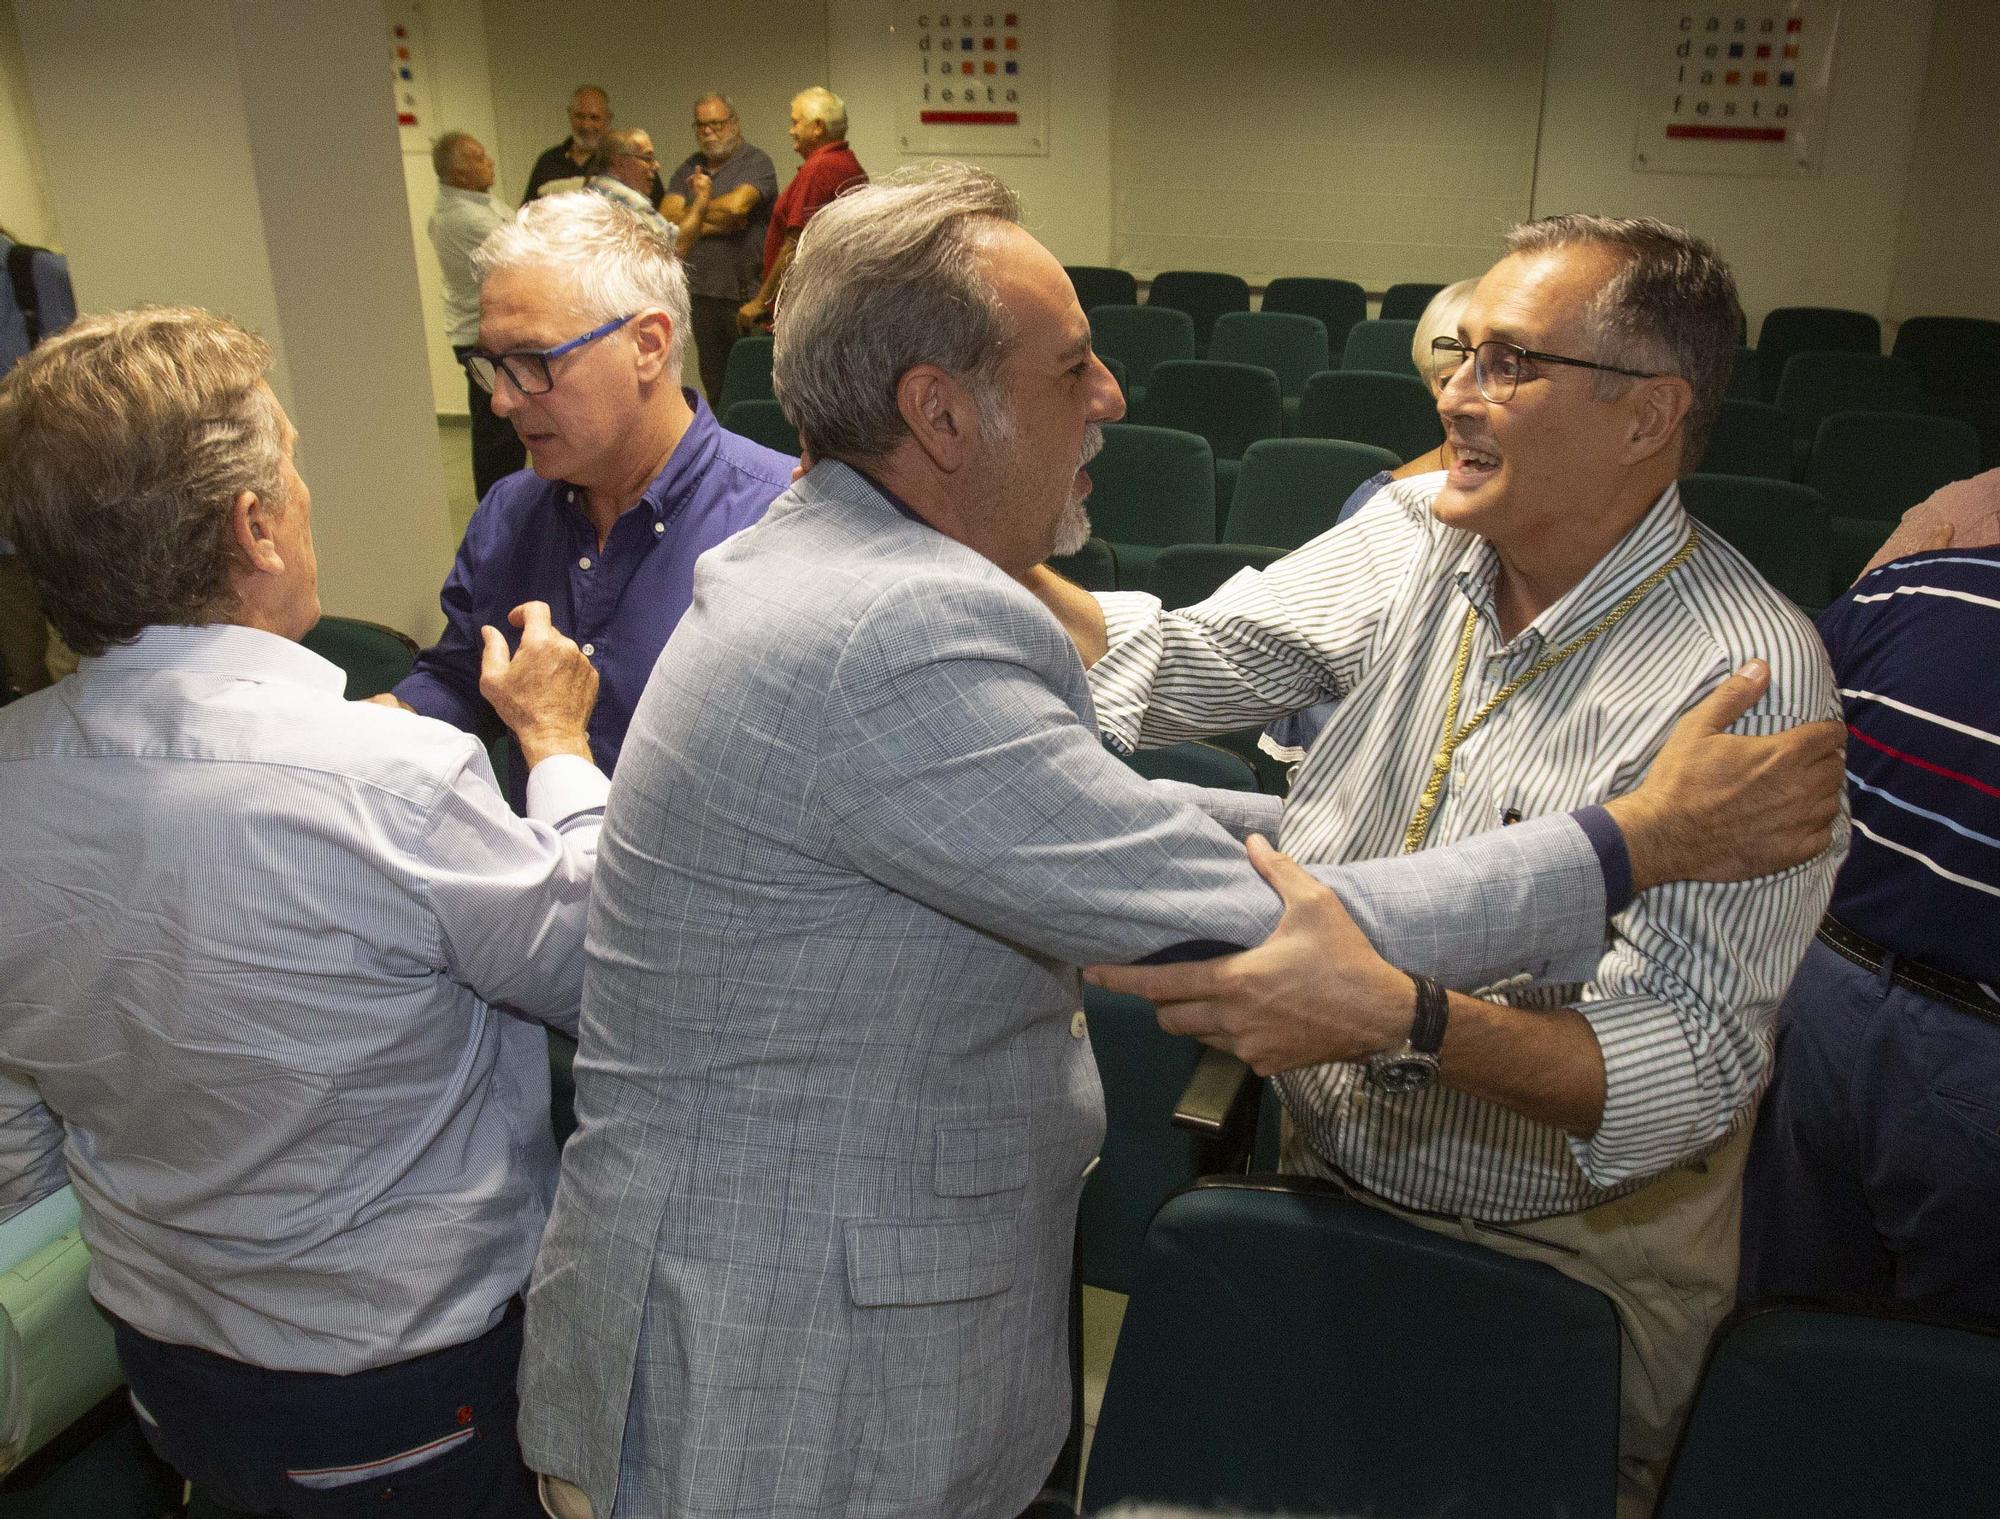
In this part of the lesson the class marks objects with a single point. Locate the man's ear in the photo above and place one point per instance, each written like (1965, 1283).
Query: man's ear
(1659, 408)
(940, 414)
(251, 522)
(653, 342)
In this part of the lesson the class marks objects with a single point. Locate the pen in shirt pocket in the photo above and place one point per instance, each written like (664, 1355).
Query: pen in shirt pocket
(1509, 816)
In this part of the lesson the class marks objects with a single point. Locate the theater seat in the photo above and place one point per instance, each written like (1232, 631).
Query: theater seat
(1287, 1349)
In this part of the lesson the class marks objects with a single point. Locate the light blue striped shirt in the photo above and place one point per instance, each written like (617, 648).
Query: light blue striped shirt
(256, 947)
(1369, 614)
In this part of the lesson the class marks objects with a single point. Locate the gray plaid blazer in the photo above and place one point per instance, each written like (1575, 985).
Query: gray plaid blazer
(810, 1254)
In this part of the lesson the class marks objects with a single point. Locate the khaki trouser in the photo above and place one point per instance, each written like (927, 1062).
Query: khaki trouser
(1666, 1257)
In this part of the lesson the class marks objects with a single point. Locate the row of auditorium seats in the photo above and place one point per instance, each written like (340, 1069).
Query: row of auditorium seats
(35, 298)
(1205, 297)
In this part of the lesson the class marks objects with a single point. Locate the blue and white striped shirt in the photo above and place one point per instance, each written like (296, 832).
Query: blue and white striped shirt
(1914, 648)
(1369, 613)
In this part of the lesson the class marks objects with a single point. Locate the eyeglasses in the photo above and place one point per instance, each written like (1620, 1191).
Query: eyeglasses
(644, 158)
(1498, 368)
(528, 368)
(714, 126)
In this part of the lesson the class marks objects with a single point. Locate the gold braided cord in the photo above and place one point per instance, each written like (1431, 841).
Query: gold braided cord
(1450, 737)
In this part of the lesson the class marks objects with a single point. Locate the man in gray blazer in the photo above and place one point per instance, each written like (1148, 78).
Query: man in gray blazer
(810, 1254)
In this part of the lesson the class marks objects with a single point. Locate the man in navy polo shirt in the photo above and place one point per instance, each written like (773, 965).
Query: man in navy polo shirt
(1876, 1167)
(583, 318)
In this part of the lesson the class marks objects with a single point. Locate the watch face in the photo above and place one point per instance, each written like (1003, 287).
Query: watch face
(1411, 1071)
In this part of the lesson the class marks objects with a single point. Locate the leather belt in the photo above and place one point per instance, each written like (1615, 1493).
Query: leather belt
(1940, 986)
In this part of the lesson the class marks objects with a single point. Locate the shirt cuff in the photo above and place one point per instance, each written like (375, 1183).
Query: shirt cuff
(564, 785)
(1612, 856)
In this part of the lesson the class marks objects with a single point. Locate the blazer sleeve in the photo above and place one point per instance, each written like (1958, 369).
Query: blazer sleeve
(961, 771)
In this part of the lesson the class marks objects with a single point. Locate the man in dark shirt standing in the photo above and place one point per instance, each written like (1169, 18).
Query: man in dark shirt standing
(632, 478)
(720, 199)
(1875, 1171)
(589, 115)
(819, 136)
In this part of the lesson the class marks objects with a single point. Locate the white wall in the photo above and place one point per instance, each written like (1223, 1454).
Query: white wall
(1067, 194)
(1827, 240)
(1948, 255)
(1341, 138)
(24, 200)
(243, 157)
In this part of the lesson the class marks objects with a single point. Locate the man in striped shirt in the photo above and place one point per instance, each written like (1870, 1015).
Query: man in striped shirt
(1511, 637)
(1876, 1169)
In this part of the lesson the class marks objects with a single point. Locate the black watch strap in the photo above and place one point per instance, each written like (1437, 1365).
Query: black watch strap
(1433, 1007)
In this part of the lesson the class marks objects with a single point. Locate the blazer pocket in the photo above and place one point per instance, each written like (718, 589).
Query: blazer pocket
(892, 1264)
(975, 1162)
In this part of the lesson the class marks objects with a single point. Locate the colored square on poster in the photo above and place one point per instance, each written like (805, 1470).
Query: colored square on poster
(1760, 79)
(1763, 50)
(989, 65)
(1013, 67)
(966, 43)
(1012, 20)
(965, 67)
(1736, 50)
(1791, 50)
(1013, 44)
(986, 44)
(1785, 79)
(1794, 24)
(1734, 76)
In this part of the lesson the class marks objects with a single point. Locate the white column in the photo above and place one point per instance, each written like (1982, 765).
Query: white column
(244, 157)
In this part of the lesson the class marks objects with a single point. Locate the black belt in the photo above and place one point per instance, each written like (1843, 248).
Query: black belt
(1941, 986)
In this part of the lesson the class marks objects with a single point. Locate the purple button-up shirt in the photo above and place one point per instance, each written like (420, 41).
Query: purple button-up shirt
(530, 541)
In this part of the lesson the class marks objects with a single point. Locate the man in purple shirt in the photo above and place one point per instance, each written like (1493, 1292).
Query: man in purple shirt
(583, 318)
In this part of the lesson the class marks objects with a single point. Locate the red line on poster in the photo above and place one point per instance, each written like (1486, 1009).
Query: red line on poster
(970, 118)
(1727, 134)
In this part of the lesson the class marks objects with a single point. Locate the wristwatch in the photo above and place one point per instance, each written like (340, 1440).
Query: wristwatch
(1415, 1065)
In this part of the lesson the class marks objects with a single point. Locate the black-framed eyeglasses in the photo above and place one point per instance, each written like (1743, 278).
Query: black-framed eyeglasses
(714, 126)
(528, 368)
(1498, 367)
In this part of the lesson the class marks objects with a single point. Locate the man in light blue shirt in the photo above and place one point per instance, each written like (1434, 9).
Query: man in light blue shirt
(466, 214)
(272, 962)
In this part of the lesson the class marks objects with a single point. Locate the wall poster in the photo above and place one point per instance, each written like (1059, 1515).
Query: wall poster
(409, 76)
(1736, 89)
(971, 80)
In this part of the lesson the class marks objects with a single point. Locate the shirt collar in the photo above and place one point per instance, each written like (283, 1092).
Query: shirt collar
(220, 648)
(456, 192)
(679, 478)
(1652, 541)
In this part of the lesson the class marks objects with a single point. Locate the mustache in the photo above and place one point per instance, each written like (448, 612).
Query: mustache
(1093, 444)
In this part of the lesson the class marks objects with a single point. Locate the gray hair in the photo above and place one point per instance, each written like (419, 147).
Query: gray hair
(124, 443)
(614, 262)
(823, 106)
(888, 277)
(443, 149)
(1440, 320)
(720, 99)
(1671, 309)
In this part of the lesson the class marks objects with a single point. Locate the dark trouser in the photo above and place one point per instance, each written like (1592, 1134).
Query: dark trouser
(714, 335)
(497, 450)
(1876, 1167)
(432, 1436)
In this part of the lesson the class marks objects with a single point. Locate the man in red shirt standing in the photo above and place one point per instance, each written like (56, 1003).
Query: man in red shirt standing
(819, 136)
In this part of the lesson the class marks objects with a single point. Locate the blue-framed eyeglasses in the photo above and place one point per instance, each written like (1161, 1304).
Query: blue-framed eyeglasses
(528, 368)
(1499, 367)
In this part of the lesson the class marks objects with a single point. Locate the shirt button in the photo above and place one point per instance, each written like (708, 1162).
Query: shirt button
(584, 562)
(659, 527)
(570, 497)
(590, 648)
(1078, 1027)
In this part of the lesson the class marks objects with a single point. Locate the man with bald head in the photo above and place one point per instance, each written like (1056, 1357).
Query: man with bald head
(466, 215)
(589, 116)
